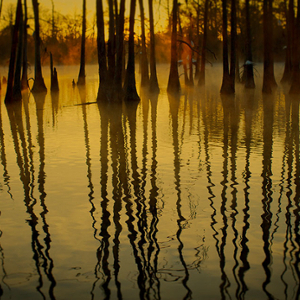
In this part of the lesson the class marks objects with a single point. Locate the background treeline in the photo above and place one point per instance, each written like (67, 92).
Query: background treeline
(61, 34)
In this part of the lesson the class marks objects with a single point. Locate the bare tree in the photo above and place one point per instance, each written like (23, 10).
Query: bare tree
(9, 97)
(174, 83)
(39, 84)
(153, 85)
(130, 93)
(81, 76)
(24, 82)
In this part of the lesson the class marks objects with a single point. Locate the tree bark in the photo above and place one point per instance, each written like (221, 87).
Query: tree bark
(39, 84)
(111, 42)
(81, 76)
(174, 83)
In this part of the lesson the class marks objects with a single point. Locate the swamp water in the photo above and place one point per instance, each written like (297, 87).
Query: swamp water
(188, 198)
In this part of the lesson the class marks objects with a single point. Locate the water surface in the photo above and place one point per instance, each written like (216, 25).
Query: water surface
(194, 197)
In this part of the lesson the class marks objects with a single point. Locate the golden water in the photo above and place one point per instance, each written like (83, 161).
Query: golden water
(195, 197)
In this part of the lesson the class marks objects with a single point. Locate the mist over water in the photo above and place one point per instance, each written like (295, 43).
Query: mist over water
(194, 197)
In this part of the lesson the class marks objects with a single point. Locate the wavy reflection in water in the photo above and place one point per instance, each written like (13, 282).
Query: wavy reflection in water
(25, 164)
(6, 177)
(268, 117)
(287, 159)
(153, 249)
(174, 102)
(248, 107)
(295, 136)
(103, 250)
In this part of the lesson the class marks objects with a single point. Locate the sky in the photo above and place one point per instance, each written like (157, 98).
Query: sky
(70, 7)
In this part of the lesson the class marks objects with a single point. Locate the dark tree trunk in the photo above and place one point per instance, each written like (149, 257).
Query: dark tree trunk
(227, 86)
(39, 84)
(248, 66)
(111, 42)
(101, 48)
(17, 89)
(81, 76)
(295, 83)
(191, 54)
(120, 47)
(53, 72)
(24, 82)
(174, 83)
(290, 21)
(198, 38)
(233, 45)
(268, 78)
(144, 59)
(130, 93)
(11, 70)
(201, 80)
(153, 85)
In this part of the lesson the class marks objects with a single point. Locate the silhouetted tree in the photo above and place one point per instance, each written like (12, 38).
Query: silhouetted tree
(130, 93)
(39, 84)
(81, 76)
(144, 59)
(295, 82)
(24, 82)
(201, 80)
(227, 84)
(290, 21)
(153, 85)
(101, 47)
(119, 46)
(268, 78)
(11, 71)
(54, 79)
(174, 83)
(248, 66)
(111, 42)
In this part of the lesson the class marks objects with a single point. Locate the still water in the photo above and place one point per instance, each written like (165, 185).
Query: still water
(195, 197)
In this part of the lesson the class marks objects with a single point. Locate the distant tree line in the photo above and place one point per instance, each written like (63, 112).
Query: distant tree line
(237, 33)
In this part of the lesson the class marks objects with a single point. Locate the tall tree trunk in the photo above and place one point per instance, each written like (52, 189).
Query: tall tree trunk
(248, 66)
(111, 42)
(233, 45)
(201, 80)
(81, 76)
(120, 47)
(17, 89)
(54, 81)
(226, 87)
(268, 78)
(144, 60)
(39, 84)
(290, 20)
(11, 70)
(130, 93)
(295, 84)
(153, 85)
(174, 83)
(101, 48)
(24, 82)
(191, 53)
